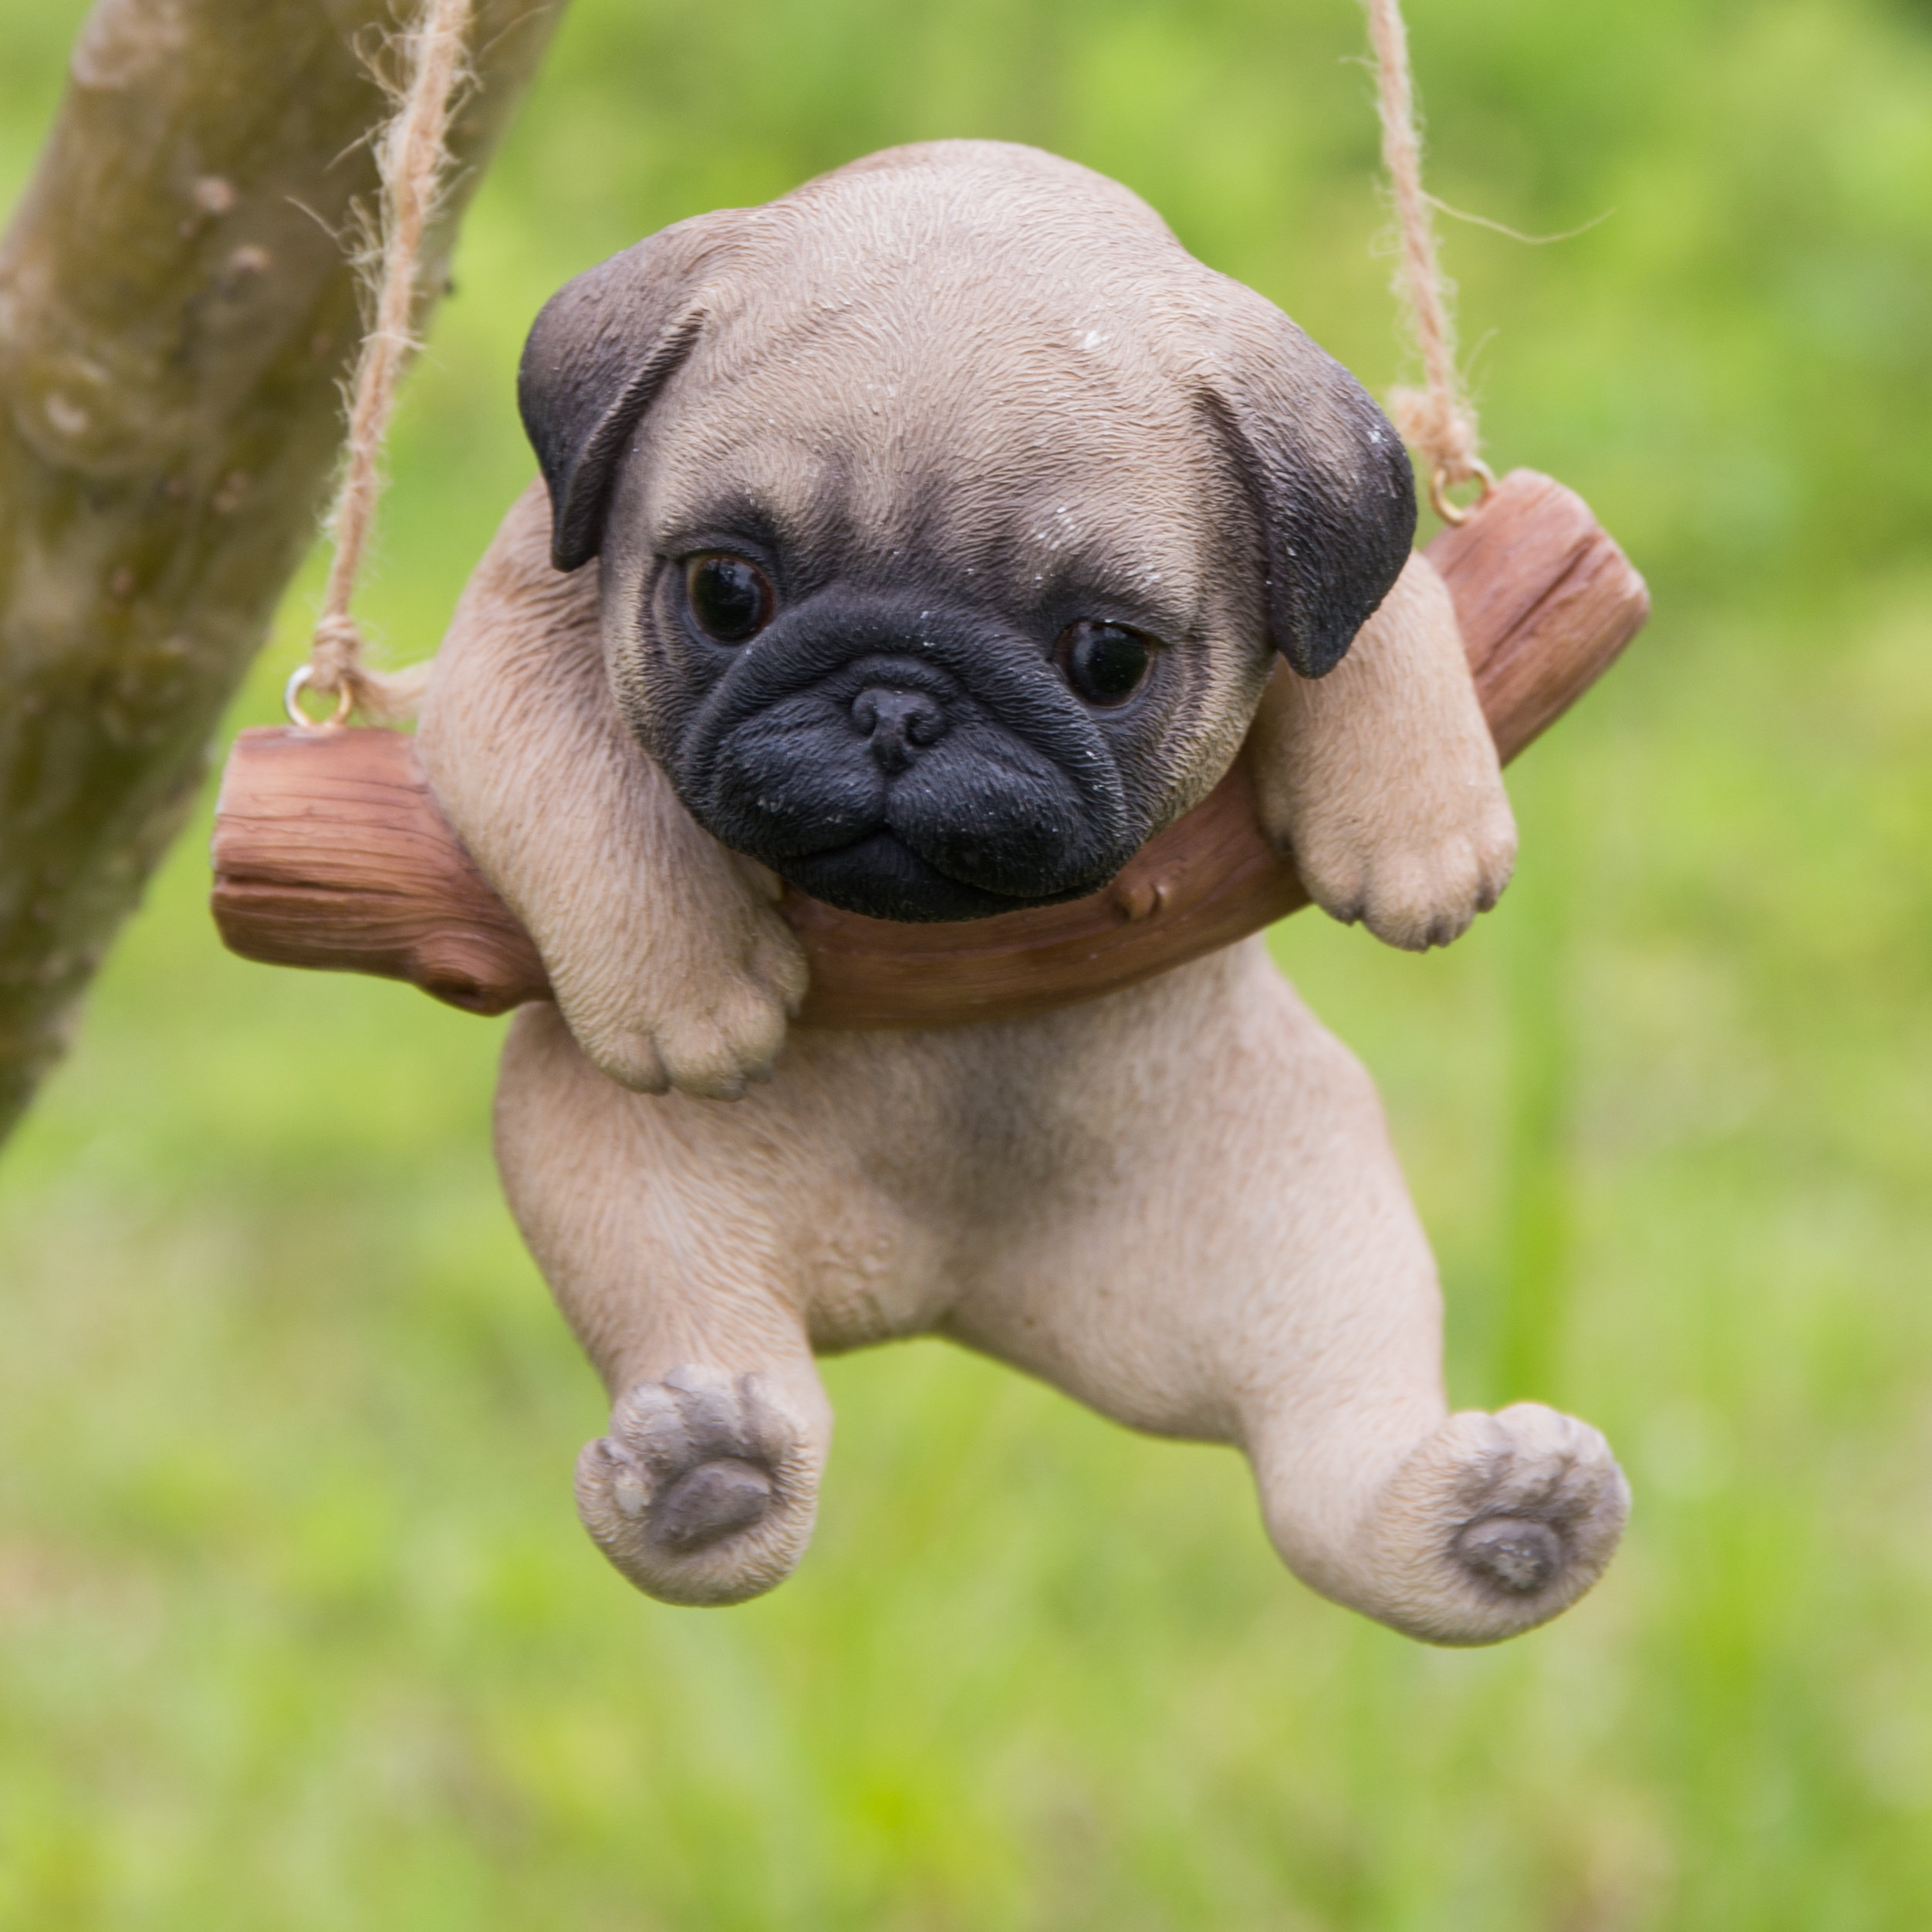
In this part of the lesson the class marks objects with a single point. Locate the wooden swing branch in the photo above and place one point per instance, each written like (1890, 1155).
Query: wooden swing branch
(330, 851)
(177, 313)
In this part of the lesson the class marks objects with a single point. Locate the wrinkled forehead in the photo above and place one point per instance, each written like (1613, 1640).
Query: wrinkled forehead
(1027, 442)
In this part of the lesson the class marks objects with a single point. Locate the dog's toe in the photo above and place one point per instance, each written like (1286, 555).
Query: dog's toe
(1416, 893)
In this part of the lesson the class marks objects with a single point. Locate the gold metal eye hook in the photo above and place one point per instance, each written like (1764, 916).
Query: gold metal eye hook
(301, 677)
(1439, 488)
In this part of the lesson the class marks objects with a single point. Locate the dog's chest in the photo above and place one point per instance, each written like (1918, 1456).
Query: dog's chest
(962, 1154)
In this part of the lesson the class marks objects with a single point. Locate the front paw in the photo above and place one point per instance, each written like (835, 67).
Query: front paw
(708, 1021)
(703, 1492)
(1414, 895)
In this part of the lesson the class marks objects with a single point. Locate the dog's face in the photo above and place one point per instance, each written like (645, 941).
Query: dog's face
(928, 647)
(945, 547)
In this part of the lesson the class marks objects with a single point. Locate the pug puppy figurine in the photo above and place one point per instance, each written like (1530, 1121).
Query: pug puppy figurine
(930, 538)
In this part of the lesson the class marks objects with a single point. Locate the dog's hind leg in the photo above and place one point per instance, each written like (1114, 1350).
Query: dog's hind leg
(1458, 1529)
(1245, 1266)
(657, 1250)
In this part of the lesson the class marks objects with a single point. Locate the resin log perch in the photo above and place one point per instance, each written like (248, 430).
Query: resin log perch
(330, 850)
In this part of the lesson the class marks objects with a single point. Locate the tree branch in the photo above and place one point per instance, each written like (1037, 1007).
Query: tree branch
(176, 312)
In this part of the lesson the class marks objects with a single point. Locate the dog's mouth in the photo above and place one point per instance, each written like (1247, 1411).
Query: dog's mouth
(958, 783)
(883, 877)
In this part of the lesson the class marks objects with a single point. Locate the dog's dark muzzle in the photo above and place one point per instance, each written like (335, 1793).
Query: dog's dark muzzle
(908, 787)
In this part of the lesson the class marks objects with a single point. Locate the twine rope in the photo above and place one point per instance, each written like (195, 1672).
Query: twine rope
(412, 162)
(1438, 419)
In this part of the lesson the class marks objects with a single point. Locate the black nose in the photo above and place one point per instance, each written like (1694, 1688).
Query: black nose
(898, 724)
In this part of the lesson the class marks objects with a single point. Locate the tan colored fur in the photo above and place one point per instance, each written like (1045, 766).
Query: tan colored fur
(1381, 780)
(984, 369)
(1179, 1204)
(665, 951)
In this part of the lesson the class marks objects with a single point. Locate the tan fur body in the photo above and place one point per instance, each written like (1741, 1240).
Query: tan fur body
(1179, 1204)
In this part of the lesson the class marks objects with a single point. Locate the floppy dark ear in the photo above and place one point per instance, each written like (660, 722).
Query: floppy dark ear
(1328, 476)
(600, 349)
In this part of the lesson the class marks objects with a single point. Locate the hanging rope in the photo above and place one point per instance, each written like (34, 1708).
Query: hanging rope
(1437, 420)
(412, 160)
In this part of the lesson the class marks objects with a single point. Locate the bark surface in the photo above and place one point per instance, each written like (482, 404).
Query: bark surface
(331, 850)
(177, 313)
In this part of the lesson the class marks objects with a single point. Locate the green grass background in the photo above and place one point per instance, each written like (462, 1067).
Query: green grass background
(297, 1628)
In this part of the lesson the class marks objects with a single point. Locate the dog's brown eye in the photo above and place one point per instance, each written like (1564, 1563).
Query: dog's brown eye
(1105, 663)
(731, 597)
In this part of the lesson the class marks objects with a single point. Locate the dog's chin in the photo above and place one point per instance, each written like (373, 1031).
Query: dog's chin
(883, 878)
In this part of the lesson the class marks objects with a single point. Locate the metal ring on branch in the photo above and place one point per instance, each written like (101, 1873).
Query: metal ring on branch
(1440, 484)
(303, 676)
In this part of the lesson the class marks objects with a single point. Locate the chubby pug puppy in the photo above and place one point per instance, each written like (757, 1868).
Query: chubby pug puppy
(930, 538)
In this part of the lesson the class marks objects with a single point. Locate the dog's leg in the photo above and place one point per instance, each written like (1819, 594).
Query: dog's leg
(1227, 1252)
(1381, 778)
(1457, 1528)
(656, 1248)
(667, 952)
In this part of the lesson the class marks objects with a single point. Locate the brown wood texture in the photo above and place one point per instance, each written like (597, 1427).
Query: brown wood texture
(330, 850)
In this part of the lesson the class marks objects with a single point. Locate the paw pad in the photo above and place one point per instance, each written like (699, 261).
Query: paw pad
(715, 1499)
(1516, 1555)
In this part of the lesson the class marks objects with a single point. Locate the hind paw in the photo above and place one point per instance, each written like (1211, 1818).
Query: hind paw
(703, 1492)
(1496, 1524)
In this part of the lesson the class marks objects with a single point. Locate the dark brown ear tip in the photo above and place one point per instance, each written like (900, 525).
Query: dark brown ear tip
(1320, 659)
(572, 547)
(577, 497)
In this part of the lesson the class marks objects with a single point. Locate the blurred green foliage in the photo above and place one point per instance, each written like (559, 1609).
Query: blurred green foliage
(297, 1629)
